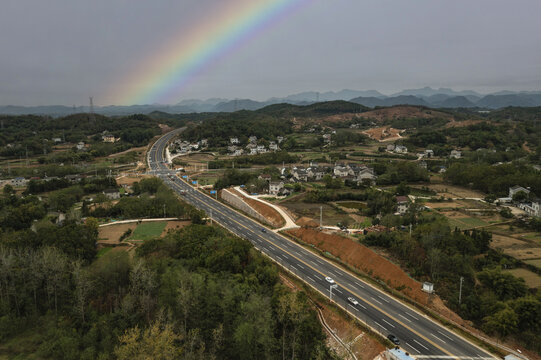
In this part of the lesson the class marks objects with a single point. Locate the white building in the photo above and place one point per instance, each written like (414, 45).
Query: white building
(455, 154)
(400, 149)
(402, 204)
(234, 140)
(80, 145)
(18, 182)
(275, 187)
(516, 189)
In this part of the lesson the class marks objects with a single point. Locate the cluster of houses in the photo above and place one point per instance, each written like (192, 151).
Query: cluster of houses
(530, 205)
(185, 147)
(252, 148)
(107, 137)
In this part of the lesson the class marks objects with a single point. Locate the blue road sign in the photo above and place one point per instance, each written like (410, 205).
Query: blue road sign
(213, 191)
(184, 176)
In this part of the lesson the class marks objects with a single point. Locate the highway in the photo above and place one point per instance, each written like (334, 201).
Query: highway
(422, 337)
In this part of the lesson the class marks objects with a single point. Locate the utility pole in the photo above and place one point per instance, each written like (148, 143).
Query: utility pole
(164, 211)
(321, 217)
(460, 291)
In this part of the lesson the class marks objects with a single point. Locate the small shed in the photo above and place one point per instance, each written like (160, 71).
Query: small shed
(428, 287)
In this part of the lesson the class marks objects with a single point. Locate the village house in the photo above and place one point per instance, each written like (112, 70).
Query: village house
(315, 173)
(234, 140)
(80, 145)
(341, 170)
(265, 177)
(402, 204)
(275, 187)
(238, 152)
(423, 164)
(532, 208)
(261, 149)
(108, 138)
(516, 189)
(231, 148)
(400, 149)
(279, 139)
(365, 175)
(429, 153)
(390, 147)
(252, 139)
(111, 194)
(57, 140)
(327, 138)
(299, 174)
(273, 146)
(455, 154)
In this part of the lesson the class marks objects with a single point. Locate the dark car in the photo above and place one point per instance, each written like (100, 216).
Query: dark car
(393, 339)
(263, 230)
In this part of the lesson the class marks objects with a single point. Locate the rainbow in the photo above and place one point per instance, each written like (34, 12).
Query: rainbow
(162, 77)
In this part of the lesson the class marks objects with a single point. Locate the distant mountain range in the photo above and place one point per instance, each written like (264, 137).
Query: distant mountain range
(427, 96)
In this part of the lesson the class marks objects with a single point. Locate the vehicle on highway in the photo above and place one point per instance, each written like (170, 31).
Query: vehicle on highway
(329, 280)
(393, 339)
(264, 230)
(353, 300)
(182, 192)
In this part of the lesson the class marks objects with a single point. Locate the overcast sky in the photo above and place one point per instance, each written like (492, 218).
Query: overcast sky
(63, 51)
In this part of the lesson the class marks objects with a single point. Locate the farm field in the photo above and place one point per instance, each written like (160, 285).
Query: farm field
(532, 279)
(519, 249)
(331, 216)
(534, 262)
(148, 230)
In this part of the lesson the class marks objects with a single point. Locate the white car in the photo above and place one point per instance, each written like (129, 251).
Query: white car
(329, 280)
(353, 301)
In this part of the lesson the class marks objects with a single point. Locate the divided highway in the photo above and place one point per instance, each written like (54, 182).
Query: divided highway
(420, 336)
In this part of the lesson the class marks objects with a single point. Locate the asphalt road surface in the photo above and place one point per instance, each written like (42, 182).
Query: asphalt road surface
(418, 335)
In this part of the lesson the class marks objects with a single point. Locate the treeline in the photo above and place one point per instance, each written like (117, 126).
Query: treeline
(393, 173)
(241, 124)
(494, 180)
(152, 199)
(34, 134)
(90, 185)
(199, 293)
(494, 300)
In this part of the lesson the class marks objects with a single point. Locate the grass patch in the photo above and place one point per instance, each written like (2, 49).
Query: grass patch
(103, 251)
(148, 230)
(534, 262)
(532, 279)
(351, 204)
(473, 222)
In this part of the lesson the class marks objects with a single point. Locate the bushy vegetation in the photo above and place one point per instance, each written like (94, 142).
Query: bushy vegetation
(199, 293)
(498, 302)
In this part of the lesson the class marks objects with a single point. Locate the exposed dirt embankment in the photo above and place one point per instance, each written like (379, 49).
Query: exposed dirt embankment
(268, 212)
(364, 259)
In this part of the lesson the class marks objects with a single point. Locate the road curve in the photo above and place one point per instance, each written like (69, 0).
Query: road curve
(420, 336)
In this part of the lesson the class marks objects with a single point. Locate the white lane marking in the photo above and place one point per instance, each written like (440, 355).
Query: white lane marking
(407, 313)
(319, 261)
(403, 317)
(388, 322)
(359, 285)
(438, 338)
(313, 263)
(418, 343)
(413, 348)
(444, 335)
(361, 305)
(293, 267)
(302, 267)
(355, 308)
(381, 326)
(373, 298)
(312, 280)
(338, 290)
(383, 299)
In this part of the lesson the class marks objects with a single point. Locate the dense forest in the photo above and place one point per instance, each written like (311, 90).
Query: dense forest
(198, 293)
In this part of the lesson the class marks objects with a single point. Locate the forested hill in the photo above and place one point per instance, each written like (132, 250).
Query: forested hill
(313, 110)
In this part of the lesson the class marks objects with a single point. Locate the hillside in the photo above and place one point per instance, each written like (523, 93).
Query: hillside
(314, 110)
(404, 112)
